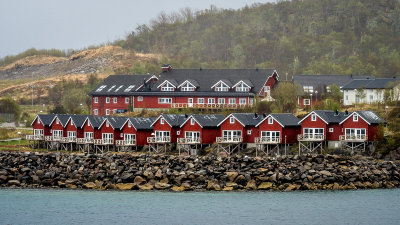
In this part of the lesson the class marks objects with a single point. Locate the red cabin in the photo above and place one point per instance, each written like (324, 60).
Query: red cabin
(135, 131)
(200, 129)
(41, 127)
(239, 128)
(278, 128)
(167, 129)
(361, 126)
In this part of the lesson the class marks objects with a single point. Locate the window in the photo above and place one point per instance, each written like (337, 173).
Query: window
(108, 100)
(248, 132)
(126, 100)
(267, 88)
(96, 100)
(121, 135)
(328, 89)
(242, 101)
(38, 133)
(96, 112)
(330, 130)
(164, 100)
(221, 87)
(200, 100)
(140, 98)
(38, 121)
(187, 87)
(232, 101)
(355, 134)
(313, 131)
(167, 87)
(178, 132)
(371, 97)
(347, 97)
(192, 135)
(242, 87)
(57, 134)
(355, 118)
(72, 123)
(274, 135)
(313, 117)
(107, 124)
(232, 134)
(107, 112)
(57, 121)
(270, 120)
(191, 121)
(306, 101)
(71, 134)
(211, 101)
(115, 99)
(309, 89)
(129, 124)
(108, 138)
(232, 120)
(114, 111)
(162, 121)
(221, 101)
(129, 138)
(89, 135)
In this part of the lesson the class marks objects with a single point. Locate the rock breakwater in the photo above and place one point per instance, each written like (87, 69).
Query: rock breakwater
(168, 172)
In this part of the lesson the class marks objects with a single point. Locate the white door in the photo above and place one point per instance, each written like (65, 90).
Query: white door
(190, 102)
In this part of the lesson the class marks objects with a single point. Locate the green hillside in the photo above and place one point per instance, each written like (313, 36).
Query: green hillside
(309, 36)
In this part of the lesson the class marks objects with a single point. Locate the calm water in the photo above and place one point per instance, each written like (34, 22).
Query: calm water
(112, 207)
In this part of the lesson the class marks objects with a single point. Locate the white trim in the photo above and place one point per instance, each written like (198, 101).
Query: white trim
(162, 84)
(228, 117)
(220, 81)
(309, 115)
(241, 81)
(191, 117)
(186, 81)
(267, 121)
(161, 116)
(352, 117)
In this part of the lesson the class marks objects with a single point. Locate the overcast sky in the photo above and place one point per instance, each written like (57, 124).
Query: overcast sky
(75, 24)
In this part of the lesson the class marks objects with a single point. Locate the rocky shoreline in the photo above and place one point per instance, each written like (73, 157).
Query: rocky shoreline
(168, 172)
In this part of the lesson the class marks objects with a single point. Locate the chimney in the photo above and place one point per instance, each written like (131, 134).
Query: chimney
(255, 115)
(346, 113)
(186, 115)
(264, 115)
(166, 67)
(336, 112)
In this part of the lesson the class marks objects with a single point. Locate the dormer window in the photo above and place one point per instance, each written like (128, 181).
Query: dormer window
(221, 86)
(167, 86)
(313, 117)
(242, 87)
(355, 118)
(187, 86)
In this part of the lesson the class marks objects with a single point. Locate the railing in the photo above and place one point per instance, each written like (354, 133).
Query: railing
(197, 105)
(267, 140)
(189, 140)
(310, 137)
(108, 141)
(125, 142)
(84, 141)
(158, 139)
(354, 137)
(229, 140)
(34, 137)
(68, 139)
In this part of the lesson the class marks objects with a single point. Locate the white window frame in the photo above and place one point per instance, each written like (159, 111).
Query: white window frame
(331, 130)
(232, 100)
(200, 101)
(164, 100)
(306, 101)
(107, 112)
(96, 100)
(270, 134)
(192, 122)
(242, 101)
(221, 100)
(192, 135)
(221, 87)
(355, 118)
(211, 100)
(231, 120)
(162, 121)
(57, 134)
(96, 112)
(167, 87)
(107, 99)
(71, 134)
(115, 100)
(313, 117)
(187, 87)
(126, 100)
(314, 131)
(242, 87)
(270, 120)
(232, 133)
(139, 98)
(88, 135)
(162, 134)
(248, 132)
(178, 132)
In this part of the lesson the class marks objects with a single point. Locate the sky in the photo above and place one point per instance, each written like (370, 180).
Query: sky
(76, 24)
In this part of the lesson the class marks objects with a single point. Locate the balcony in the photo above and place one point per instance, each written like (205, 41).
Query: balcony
(310, 137)
(229, 140)
(268, 140)
(48, 138)
(207, 106)
(125, 142)
(68, 139)
(84, 141)
(108, 141)
(353, 137)
(189, 141)
(34, 137)
(158, 140)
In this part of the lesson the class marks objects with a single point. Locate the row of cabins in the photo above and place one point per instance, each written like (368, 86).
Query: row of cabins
(266, 132)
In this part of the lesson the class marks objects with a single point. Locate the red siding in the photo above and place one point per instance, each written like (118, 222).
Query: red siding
(55, 126)
(291, 134)
(98, 134)
(40, 126)
(226, 125)
(371, 130)
(301, 102)
(307, 123)
(101, 106)
(249, 138)
(207, 135)
(373, 133)
(87, 128)
(69, 127)
(141, 135)
(337, 131)
(166, 127)
(270, 82)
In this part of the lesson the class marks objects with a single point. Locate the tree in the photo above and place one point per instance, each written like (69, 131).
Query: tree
(360, 93)
(8, 105)
(73, 99)
(335, 93)
(285, 96)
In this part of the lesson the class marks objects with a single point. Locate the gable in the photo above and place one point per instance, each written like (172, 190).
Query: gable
(312, 113)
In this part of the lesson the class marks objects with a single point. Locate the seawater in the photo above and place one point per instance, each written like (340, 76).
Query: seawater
(133, 207)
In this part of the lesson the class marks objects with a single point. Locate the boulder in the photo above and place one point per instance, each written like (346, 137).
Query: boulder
(265, 186)
(139, 180)
(71, 186)
(231, 175)
(213, 185)
(251, 185)
(89, 185)
(227, 189)
(125, 186)
(14, 182)
(146, 187)
(162, 186)
(178, 188)
(231, 184)
(326, 173)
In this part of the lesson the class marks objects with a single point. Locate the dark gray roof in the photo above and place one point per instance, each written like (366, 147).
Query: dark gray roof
(371, 117)
(117, 122)
(120, 85)
(96, 121)
(322, 81)
(206, 78)
(79, 120)
(286, 119)
(142, 123)
(331, 116)
(46, 118)
(175, 120)
(377, 83)
(208, 120)
(248, 119)
(63, 118)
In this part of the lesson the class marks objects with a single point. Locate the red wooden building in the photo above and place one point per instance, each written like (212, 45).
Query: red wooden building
(41, 128)
(135, 131)
(183, 88)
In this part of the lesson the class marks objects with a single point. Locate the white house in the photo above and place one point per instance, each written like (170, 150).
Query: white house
(372, 90)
